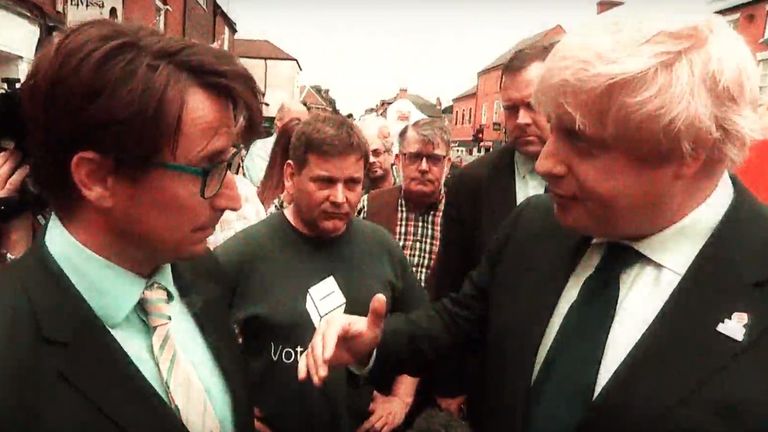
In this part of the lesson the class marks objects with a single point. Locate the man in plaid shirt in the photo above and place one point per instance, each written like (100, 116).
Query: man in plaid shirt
(412, 211)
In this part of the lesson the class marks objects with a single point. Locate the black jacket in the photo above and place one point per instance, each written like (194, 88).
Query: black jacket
(62, 370)
(681, 375)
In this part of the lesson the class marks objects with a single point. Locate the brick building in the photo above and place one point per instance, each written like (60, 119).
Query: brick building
(461, 124)
(199, 20)
(478, 112)
(317, 98)
(749, 19)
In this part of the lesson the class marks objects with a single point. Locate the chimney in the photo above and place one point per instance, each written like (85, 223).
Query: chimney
(325, 93)
(439, 104)
(403, 93)
(606, 5)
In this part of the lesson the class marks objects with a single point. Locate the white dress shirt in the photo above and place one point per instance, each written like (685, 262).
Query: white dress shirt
(645, 286)
(527, 182)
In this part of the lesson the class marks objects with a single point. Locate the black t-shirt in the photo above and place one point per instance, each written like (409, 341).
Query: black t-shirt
(273, 265)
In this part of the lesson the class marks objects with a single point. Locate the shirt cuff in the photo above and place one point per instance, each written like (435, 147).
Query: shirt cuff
(363, 371)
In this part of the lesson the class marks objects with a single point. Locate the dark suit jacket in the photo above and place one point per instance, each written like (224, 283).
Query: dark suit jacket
(681, 375)
(62, 370)
(478, 198)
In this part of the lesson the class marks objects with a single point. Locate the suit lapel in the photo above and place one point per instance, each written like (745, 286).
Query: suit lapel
(681, 348)
(88, 356)
(500, 197)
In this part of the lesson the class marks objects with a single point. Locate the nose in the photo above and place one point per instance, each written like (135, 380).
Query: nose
(423, 165)
(550, 163)
(524, 116)
(371, 158)
(337, 194)
(228, 197)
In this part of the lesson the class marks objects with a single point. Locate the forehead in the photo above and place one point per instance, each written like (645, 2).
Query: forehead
(520, 85)
(334, 166)
(207, 124)
(413, 142)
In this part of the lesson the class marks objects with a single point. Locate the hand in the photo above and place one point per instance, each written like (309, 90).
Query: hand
(387, 413)
(260, 427)
(11, 175)
(343, 340)
(453, 406)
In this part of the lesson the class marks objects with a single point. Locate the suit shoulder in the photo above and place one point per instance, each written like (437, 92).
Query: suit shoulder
(476, 172)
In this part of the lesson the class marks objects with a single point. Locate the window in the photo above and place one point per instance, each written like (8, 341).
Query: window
(160, 9)
(483, 115)
(456, 118)
(733, 20)
(462, 116)
(469, 117)
(496, 111)
(203, 4)
(763, 65)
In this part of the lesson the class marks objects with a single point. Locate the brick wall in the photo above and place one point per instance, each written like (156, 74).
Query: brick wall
(488, 93)
(750, 23)
(199, 22)
(221, 25)
(459, 131)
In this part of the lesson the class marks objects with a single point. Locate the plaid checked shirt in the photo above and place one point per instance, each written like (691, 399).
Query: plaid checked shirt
(417, 233)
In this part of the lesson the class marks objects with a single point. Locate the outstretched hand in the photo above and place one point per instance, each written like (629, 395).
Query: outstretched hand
(343, 340)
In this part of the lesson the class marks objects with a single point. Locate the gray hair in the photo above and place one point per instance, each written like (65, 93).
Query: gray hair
(430, 130)
(376, 128)
(692, 84)
(289, 109)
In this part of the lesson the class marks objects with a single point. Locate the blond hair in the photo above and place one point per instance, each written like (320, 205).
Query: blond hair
(691, 83)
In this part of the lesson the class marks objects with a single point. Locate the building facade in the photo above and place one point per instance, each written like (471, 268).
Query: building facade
(276, 72)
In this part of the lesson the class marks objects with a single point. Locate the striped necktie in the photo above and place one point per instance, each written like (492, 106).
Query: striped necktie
(185, 391)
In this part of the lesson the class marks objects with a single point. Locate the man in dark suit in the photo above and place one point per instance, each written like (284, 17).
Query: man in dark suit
(117, 319)
(632, 296)
(480, 197)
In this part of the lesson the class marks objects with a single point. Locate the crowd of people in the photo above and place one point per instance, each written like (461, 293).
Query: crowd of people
(601, 271)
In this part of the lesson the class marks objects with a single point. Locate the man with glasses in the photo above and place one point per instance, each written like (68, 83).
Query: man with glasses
(412, 211)
(379, 174)
(313, 260)
(117, 320)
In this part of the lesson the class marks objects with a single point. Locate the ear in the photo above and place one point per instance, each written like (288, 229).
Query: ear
(94, 176)
(289, 176)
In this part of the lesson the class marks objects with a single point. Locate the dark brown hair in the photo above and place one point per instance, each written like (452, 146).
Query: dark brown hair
(525, 57)
(119, 90)
(272, 185)
(328, 135)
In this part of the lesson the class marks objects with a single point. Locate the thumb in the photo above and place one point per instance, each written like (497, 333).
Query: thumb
(377, 311)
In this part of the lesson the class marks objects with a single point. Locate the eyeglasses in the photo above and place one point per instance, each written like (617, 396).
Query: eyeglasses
(379, 153)
(212, 177)
(415, 158)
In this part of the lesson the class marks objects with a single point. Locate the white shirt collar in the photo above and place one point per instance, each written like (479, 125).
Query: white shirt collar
(676, 246)
(523, 164)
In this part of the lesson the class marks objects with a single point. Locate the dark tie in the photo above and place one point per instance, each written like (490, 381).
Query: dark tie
(563, 389)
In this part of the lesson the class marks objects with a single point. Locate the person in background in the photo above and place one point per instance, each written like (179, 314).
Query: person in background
(379, 174)
(118, 317)
(257, 158)
(272, 187)
(251, 211)
(313, 259)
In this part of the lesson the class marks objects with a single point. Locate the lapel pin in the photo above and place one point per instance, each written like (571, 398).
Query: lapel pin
(734, 327)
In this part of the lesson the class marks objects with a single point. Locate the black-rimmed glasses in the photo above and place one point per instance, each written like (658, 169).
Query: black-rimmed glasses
(415, 158)
(212, 177)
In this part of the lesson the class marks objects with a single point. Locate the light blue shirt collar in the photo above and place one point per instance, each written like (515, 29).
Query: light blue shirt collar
(110, 290)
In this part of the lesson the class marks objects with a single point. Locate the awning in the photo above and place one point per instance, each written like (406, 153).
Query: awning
(19, 35)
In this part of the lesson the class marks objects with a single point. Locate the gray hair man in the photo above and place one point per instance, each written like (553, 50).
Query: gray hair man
(379, 174)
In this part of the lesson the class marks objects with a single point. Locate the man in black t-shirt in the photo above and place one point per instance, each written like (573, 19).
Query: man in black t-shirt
(294, 268)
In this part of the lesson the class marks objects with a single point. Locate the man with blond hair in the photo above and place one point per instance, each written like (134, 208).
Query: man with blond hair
(633, 296)
(257, 158)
